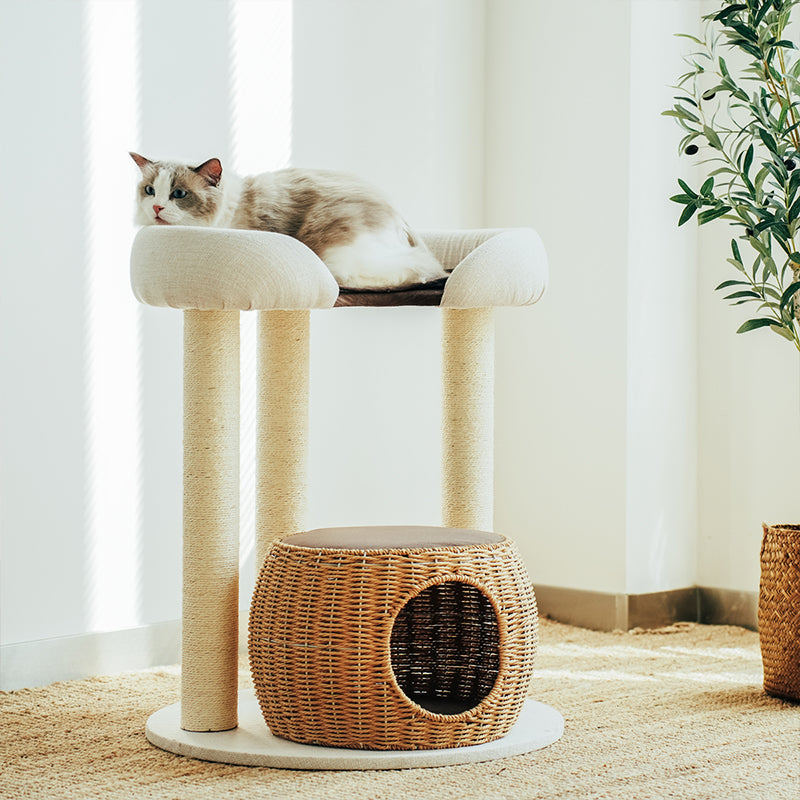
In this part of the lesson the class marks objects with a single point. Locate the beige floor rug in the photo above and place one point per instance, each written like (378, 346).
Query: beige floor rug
(678, 713)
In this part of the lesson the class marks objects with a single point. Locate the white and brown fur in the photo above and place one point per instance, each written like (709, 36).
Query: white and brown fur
(359, 236)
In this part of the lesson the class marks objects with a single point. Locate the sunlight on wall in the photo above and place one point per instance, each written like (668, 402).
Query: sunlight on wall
(262, 84)
(261, 45)
(113, 321)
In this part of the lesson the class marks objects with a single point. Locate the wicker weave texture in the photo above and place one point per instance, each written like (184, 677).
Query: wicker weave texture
(334, 634)
(779, 610)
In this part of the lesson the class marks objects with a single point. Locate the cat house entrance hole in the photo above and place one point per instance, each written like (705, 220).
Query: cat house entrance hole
(444, 648)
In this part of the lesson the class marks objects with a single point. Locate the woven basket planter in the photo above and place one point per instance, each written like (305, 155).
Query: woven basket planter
(425, 640)
(779, 610)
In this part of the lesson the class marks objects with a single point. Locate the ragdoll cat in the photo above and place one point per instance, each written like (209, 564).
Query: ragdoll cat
(359, 236)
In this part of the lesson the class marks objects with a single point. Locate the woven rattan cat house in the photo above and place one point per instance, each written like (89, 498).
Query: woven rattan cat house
(400, 599)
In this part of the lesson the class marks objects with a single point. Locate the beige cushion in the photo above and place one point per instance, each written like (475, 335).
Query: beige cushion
(222, 269)
(502, 267)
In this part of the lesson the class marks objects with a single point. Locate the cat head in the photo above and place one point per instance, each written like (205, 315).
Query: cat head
(177, 194)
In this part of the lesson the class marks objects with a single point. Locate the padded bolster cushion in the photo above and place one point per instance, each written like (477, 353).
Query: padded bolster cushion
(505, 267)
(222, 269)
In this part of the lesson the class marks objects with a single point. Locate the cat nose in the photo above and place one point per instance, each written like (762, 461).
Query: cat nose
(158, 209)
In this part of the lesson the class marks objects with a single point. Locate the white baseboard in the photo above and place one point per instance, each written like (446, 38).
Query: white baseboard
(64, 658)
(39, 663)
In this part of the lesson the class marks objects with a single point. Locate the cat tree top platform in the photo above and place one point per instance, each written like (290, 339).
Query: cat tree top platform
(224, 269)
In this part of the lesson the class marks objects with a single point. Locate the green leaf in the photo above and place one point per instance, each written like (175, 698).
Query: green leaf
(671, 112)
(744, 31)
(748, 47)
(752, 324)
(769, 142)
(712, 213)
(780, 231)
(795, 257)
(712, 136)
(686, 188)
(682, 198)
(721, 16)
(691, 38)
(778, 171)
(706, 188)
(782, 116)
(787, 295)
(760, 15)
(681, 113)
(794, 181)
(738, 265)
(728, 284)
(759, 246)
(748, 160)
(735, 249)
(761, 176)
(749, 294)
(687, 214)
(782, 330)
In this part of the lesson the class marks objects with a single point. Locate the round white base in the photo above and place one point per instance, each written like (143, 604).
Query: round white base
(252, 744)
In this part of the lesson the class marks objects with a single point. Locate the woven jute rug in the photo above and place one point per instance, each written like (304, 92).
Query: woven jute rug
(675, 713)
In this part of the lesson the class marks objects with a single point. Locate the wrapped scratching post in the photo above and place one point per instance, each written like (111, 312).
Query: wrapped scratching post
(467, 418)
(212, 275)
(489, 268)
(282, 425)
(211, 519)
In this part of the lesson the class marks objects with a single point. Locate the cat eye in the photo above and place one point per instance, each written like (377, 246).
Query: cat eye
(149, 190)
(179, 194)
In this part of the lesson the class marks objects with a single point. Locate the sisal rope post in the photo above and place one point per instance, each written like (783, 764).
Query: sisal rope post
(468, 418)
(209, 681)
(282, 425)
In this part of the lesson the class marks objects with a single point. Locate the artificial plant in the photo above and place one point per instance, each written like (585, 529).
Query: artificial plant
(739, 108)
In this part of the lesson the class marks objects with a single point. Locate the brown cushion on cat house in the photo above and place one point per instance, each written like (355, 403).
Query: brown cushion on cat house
(492, 267)
(223, 269)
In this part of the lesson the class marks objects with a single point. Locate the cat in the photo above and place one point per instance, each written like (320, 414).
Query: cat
(357, 234)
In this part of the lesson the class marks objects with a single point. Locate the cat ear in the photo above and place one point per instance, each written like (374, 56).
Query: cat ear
(211, 170)
(141, 161)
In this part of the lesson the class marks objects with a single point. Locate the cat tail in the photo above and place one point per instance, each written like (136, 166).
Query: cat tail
(424, 261)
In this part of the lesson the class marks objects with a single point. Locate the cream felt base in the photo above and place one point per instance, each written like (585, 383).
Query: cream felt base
(251, 744)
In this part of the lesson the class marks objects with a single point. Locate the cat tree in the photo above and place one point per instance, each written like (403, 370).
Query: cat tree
(212, 275)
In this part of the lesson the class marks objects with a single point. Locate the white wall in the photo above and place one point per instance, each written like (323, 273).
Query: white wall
(596, 440)
(561, 369)
(661, 447)
(43, 305)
